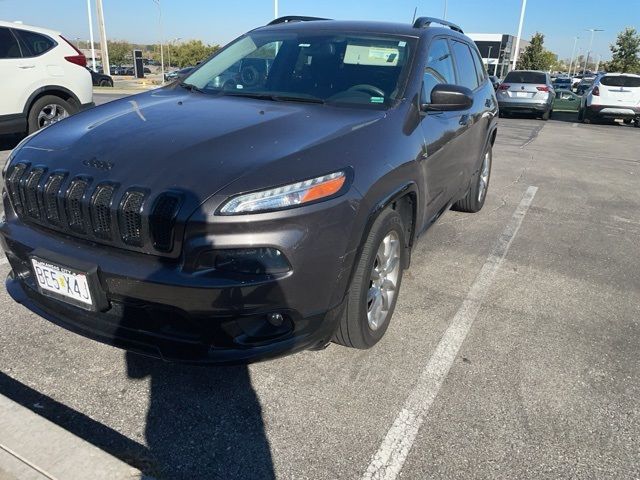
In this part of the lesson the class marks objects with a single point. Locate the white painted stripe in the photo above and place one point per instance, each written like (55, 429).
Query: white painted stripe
(387, 462)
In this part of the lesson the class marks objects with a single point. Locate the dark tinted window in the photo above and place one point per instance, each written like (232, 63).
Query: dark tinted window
(35, 43)
(525, 77)
(439, 67)
(467, 76)
(620, 81)
(8, 44)
(477, 61)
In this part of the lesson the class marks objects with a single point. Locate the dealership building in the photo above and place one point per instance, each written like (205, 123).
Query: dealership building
(497, 51)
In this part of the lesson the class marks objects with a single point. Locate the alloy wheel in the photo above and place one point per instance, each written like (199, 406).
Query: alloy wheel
(50, 114)
(383, 281)
(484, 176)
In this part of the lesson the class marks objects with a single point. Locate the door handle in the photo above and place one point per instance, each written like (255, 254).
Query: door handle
(24, 67)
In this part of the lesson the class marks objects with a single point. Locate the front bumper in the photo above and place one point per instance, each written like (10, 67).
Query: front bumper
(160, 307)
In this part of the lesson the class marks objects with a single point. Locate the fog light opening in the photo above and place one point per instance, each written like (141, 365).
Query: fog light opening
(275, 319)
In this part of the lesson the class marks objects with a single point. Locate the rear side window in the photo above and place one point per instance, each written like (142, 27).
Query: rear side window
(467, 76)
(439, 67)
(526, 77)
(482, 73)
(620, 81)
(33, 43)
(9, 47)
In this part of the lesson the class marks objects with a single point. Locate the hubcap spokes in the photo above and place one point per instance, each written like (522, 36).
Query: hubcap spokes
(484, 176)
(51, 114)
(383, 281)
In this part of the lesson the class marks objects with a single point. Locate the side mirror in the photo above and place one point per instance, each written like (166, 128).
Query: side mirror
(447, 98)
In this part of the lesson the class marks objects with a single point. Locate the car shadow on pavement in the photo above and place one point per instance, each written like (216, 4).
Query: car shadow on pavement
(202, 421)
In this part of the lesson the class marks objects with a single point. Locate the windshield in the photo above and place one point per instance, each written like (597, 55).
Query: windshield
(316, 67)
(525, 77)
(620, 81)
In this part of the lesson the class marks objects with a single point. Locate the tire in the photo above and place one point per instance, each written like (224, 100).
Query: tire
(357, 328)
(37, 117)
(473, 201)
(581, 115)
(627, 121)
(546, 115)
(105, 83)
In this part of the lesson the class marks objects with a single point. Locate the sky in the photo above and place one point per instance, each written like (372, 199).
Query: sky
(217, 21)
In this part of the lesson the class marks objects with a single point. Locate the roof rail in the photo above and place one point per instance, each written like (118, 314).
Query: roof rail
(423, 22)
(294, 18)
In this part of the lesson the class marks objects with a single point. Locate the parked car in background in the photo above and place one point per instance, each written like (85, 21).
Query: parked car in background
(526, 91)
(100, 79)
(584, 85)
(562, 83)
(44, 78)
(263, 220)
(566, 101)
(495, 81)
(176, 74)
(612, 96)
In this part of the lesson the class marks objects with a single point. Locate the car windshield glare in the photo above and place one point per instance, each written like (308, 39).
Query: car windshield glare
(526, 77)
(357, 69)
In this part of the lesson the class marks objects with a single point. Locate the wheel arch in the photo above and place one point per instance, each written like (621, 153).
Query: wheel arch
(55, 90)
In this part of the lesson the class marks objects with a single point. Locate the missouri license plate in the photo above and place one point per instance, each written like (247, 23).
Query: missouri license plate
(62, 283)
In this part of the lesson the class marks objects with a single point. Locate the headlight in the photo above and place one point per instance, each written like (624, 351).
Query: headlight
(286, 196)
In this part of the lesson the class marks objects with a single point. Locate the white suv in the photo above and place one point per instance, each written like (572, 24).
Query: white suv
(43, 78)
(612, 96)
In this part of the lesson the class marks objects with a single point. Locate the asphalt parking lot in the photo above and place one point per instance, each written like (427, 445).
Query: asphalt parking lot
(513, 352)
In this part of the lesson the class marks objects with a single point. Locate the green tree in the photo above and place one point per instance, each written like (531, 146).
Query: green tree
(626, 52)
(119, 51)
(190, 53)
(535, 57)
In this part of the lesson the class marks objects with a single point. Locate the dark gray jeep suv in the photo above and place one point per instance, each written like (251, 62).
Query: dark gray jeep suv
(221, 222)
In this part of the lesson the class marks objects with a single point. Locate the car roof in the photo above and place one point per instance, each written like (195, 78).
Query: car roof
(618, 74)
(22, 26)
(390, 28)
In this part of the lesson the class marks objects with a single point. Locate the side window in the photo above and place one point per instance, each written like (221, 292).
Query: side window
(467, 76)
(477, 61)
(34, 43)
(8, 44)
(439, 67)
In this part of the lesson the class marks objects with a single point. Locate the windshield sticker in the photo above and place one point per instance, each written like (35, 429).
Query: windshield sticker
(374, 56)
(377, 99)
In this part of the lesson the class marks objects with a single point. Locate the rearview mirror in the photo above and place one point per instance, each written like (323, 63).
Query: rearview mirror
(447, 98)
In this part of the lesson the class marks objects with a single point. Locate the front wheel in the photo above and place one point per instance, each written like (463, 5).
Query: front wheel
(48, 110)
(473, 201)
(373, 291)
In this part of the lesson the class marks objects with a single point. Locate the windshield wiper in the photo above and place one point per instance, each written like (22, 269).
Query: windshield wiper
(191, 87)
(274, 97)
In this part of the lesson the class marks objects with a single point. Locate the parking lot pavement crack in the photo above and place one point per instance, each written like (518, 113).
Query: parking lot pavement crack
(534, 134)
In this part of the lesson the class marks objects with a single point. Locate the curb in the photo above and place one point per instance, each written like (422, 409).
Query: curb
(32, 447)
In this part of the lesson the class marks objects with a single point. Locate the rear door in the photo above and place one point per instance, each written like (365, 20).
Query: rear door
(620, 90)
(12, 73)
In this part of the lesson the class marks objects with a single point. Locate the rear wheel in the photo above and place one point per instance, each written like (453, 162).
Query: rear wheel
(546, 115)
(473, 201)
(106, 83)
(375, 285)
(627, 121)
(48, 110)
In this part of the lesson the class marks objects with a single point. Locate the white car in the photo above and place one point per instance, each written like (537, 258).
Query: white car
(612, 96)
(43, 78)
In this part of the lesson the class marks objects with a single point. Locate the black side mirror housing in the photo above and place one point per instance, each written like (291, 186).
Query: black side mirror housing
(448, 98)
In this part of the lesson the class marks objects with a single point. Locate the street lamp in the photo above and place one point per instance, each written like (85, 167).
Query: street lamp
(522, 10)
(573, 52)
(157, 2)
(444, 17)
(93, 48)
(593, 31)
(275, 8)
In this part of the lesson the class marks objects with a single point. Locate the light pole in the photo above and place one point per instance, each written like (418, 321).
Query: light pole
(157, 2)
(275, 8)
(444, 17)
(593, 31)
(104, 46)
(522, 10)
(573, 52)
(598, 63)
(93, 48)
(489, 56)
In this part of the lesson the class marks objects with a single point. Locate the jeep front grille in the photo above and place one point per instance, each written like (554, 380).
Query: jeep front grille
(104, 212)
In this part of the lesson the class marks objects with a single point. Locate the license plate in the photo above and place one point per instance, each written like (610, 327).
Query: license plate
(62, 282)
(522, 94)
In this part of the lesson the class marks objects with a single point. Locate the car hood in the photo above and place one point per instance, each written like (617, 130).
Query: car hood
(175, 139)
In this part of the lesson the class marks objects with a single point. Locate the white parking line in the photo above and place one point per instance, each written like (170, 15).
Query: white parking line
(387, 462)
